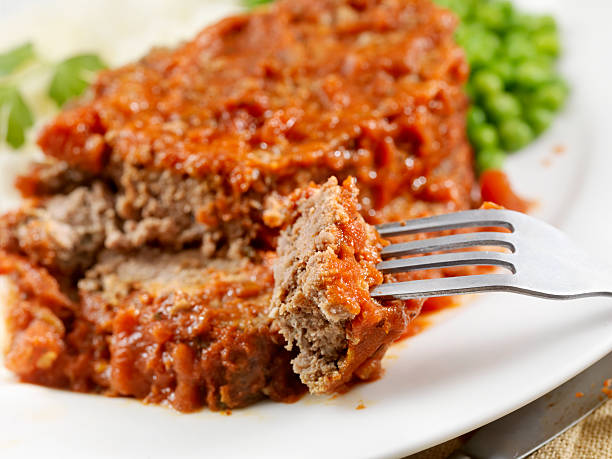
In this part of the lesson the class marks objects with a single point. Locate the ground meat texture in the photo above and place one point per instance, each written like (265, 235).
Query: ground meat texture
(324, 273)
(173, 210)
(164, 327)
(51, 177)
(64, 232)
(319, 88)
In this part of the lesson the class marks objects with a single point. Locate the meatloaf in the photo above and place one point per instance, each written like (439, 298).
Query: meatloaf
(142, 255)
(326, 267)
(197, 139)
(164, 327)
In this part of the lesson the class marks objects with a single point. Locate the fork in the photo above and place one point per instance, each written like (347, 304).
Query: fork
(539, 260)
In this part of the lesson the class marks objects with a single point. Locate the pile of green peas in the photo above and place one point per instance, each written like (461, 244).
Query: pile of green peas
(514, 88)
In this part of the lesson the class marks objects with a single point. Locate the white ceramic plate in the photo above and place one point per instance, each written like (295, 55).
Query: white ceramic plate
(476, 364)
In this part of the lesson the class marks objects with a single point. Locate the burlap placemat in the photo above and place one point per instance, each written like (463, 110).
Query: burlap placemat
(589, 439)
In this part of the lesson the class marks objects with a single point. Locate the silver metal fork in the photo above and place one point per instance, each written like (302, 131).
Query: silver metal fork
(539, 261)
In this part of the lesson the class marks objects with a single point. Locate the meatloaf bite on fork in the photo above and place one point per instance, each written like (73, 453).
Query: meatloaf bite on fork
(142, 257)
(326, 266)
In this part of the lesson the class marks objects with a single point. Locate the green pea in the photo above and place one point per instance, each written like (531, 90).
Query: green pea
(547, 43)
(507, 7)
(545, 60)
(480, 45)
(492, 15)
(466, 31)
(475, 117)
(463, 32)
(491, 158)
(486, 82)
(531, 74)
(513, 83)
(539, 118)
(484, 136)
(444, 3)
(504, 69)
(522, 22)
(502, 106)
(515, 134)
(518, 46)
(551, 96)
(531, 23)
(544, 22)
(465, 8)
(462, 8)
(525, 97)
(448, 4)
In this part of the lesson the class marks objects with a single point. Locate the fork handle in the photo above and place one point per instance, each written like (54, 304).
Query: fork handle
(574, 295)
(586, 284)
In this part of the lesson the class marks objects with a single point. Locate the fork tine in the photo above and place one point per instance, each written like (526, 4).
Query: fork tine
(464, 219)
(446, 286)
(446, 260)
(455, 241)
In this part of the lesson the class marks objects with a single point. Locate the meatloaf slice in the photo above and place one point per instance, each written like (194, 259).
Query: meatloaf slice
(142, 260)
(63, 232)
(323, 276)
(263, 103)
(160, 326)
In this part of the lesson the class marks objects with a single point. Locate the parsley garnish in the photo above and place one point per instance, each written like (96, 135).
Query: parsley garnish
(15, 116)
(255, 3)
(73, 76)
(70, 78)
(15, 58)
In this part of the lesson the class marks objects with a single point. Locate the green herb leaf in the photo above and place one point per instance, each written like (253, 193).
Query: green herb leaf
(255, 3)
(15, 116)
(73, 76)
(16, 57)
